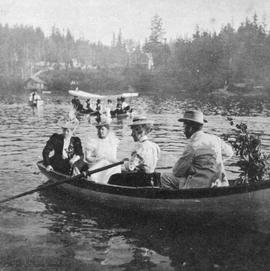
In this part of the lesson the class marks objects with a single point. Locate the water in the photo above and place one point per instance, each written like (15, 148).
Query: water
(51, 231)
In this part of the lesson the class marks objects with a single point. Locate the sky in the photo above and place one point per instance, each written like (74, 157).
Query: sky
(97, 20)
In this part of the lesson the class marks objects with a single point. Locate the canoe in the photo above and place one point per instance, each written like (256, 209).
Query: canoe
(244, 201)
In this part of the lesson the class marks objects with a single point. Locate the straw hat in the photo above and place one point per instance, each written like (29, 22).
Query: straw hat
(193, 115)
(140, 120)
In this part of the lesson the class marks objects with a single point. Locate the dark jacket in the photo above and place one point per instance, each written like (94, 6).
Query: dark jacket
(55, 143)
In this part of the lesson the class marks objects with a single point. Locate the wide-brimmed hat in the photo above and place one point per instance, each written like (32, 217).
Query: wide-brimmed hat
(140, 120)
(194, 116)
(104, 121)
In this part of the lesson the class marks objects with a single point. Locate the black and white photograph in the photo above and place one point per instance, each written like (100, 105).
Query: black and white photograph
(135, 135)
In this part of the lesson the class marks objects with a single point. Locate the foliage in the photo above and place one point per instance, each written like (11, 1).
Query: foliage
(205, 62)
(254, 164)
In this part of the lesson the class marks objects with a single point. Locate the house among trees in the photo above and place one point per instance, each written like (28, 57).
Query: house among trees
(35, 82)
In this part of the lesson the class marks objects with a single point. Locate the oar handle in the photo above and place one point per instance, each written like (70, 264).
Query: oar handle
(44, 187)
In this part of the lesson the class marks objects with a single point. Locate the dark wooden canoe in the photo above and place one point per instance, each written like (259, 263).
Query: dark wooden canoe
(245, 200)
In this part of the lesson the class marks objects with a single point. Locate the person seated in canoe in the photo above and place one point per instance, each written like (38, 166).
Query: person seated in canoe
(88, 109)
(140, 169)
(68, 153)
(102, 151)
(201, 164)
(118, 109)
(77, 104)
(34, 97)
(125, 105)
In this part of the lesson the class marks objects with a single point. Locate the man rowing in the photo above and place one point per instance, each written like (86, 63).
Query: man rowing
(201, 164)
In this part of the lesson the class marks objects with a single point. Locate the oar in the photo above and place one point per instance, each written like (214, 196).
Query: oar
(230, 170)
(70, 179)
(163, 167)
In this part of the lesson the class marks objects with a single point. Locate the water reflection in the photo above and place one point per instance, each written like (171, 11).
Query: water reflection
(146, 243)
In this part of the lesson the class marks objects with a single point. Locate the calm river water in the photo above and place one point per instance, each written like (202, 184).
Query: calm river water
(51, 231)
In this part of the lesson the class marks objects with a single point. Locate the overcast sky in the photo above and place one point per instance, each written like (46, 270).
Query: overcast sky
(96, 20)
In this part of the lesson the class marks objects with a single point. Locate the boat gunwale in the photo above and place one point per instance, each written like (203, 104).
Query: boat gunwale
(150, 192)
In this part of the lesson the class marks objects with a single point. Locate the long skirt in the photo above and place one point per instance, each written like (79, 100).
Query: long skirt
(103, 176)
(63, 166)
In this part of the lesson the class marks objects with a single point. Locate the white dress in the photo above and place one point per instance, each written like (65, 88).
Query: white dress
(102, 152)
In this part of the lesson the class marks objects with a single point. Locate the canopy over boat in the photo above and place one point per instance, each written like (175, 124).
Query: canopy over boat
(87, 95)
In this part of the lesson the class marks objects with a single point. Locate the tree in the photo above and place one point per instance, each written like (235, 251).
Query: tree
(157, 31)
(156, 45)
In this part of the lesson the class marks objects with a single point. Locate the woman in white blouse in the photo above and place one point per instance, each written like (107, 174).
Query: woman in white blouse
(102, 151)
(146, 154)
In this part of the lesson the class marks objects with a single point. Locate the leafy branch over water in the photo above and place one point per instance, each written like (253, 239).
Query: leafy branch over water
(254, 164)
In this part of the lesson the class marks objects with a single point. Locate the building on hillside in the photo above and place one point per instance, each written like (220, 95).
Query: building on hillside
(35, 83)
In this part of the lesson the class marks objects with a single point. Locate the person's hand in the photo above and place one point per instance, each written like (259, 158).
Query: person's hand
(49, 168)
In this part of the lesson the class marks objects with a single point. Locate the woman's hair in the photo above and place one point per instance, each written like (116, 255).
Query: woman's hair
(104, 125)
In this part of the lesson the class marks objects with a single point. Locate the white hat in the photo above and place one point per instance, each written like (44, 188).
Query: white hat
(140, 120)
(194, 116)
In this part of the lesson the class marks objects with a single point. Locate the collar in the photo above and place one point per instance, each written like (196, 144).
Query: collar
(144, 138)
(198, 133)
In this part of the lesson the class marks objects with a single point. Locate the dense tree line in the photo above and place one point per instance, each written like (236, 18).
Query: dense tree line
(205, 62)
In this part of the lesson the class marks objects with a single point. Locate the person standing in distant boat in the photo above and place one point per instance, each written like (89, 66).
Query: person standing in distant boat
(108, 108)
(201, 164)
(34, 97)
(68, 154)
(99, 110)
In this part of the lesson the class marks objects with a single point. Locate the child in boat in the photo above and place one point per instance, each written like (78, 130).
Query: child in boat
(102, 151)
(68, 154)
